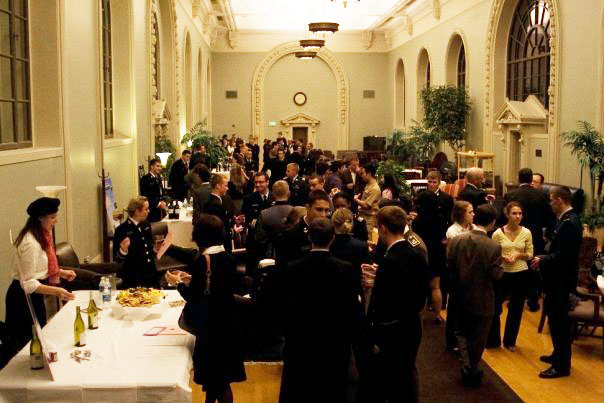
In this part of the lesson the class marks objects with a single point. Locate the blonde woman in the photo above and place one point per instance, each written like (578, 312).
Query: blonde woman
(345, 246)
(517, 250)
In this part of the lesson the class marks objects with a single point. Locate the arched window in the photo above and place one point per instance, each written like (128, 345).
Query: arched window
(107, 70)
(529, 52)
(428, 75)
(15, 105)
(461, 67)
(156, 54)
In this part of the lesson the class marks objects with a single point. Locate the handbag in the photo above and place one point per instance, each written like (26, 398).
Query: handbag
(195, 314)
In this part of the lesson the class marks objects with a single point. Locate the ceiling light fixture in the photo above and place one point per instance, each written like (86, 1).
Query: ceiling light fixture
(324, 28)
(312, 44)
(306, 55)
(345, 2)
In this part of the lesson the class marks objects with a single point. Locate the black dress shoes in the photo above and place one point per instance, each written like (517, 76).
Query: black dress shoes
(552, 373)
(547, 358)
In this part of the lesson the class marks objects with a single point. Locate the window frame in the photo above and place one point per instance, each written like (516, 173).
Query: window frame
(14, 60)
(527, 20)
(461, 67)
(108, 117)
(428, 74)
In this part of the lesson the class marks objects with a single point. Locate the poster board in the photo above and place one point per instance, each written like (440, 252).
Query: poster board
(110, 206)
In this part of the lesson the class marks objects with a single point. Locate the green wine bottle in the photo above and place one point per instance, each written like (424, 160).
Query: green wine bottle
(35, 351)
(79, 330)
(93, 314)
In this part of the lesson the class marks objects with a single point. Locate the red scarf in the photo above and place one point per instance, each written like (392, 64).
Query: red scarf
(53, 263)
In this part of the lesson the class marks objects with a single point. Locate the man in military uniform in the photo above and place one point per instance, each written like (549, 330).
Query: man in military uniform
(151, 187)
(255, 202)
(298, 187)
(560, 270)
(395, 328)
(133, 247)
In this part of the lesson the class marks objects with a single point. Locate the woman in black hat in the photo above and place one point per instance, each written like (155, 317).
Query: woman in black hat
(36, 272)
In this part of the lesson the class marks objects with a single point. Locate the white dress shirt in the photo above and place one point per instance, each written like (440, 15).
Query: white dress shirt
(31, 264)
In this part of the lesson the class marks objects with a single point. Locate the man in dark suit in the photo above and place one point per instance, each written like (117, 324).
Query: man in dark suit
(321, 321)
(474, 261)
(395, 329)
(200, 157)
(298, 187)
(294, 243)
(201, 194)
(347, 179)
(272, 220)
(151, 187)
(134, 248)
(178, 171)
(445, 201)
(215, 204)
(560, 270)
(473, 192)
(537, 215)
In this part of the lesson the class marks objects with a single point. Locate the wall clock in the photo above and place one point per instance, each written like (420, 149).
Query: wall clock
(299, 98)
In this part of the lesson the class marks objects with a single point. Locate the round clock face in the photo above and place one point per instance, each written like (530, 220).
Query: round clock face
(300, 98)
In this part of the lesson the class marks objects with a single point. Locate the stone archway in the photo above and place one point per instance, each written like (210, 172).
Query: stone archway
(341, 83)
(494, 79)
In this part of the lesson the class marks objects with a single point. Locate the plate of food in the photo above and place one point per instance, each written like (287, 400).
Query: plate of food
(139, 303)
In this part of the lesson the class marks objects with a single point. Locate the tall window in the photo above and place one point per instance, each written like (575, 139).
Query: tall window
(428, 75)
(156, 71)
(15, 100)
(461, 67)
(107, 70)
(529, 52)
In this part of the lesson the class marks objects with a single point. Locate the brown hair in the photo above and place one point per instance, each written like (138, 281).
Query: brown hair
(459, 210)
(433, 175)
(508, 207)
(136, 203)
(393, 218)
(238, 177)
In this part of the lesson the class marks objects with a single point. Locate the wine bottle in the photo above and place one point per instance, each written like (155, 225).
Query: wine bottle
(35, 351)
(79, 330)
(93, 314)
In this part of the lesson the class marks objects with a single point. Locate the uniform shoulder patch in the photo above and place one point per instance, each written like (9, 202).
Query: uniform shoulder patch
(413, 240)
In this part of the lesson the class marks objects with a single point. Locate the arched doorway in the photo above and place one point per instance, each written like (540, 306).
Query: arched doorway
(341, 85)
(424, 77)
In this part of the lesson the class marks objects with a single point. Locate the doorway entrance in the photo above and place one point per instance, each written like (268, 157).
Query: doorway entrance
(300, 133)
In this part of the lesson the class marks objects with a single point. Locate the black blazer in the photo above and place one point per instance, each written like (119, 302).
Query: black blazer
(298, 190)
(536, 215)
(401, 285)
(253, 205)
(445, 207)
(473, 195)
(151, 188)
(199, 158)
(321, 320)
(177, 179)
(560, 267)
(139, 264)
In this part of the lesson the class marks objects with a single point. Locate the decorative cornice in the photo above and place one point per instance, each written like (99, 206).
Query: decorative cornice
(232, 39)
(436, 9)
(368, 37)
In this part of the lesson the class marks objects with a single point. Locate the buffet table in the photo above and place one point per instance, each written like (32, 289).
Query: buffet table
(124, 365)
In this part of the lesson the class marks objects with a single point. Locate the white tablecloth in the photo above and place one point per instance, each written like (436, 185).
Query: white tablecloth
(182, 230)
(125, 367)
(601, 283)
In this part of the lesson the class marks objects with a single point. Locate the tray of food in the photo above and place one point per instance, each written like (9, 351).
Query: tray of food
(139, 303)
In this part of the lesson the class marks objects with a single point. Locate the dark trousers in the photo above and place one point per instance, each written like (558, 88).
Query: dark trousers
(391, 374)
(472, 332)
(452, 319)
(516, 286)
(556, 307)
(18, 317)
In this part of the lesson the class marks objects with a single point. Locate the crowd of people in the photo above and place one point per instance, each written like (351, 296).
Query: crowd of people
(354, 265)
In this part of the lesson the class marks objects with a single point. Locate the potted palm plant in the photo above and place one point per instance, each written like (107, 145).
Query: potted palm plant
(200, 135)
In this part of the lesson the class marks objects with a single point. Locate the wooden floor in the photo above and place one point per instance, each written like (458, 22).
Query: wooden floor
(519, 370)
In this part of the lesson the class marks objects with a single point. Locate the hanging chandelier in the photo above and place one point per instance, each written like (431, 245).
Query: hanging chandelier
(324, 28)
(306, 55)
(312, 44)
(345, 2)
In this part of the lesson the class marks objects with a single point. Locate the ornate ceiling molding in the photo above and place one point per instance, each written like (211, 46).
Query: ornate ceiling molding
(553, 90)
(436, 9)
(341, 82)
